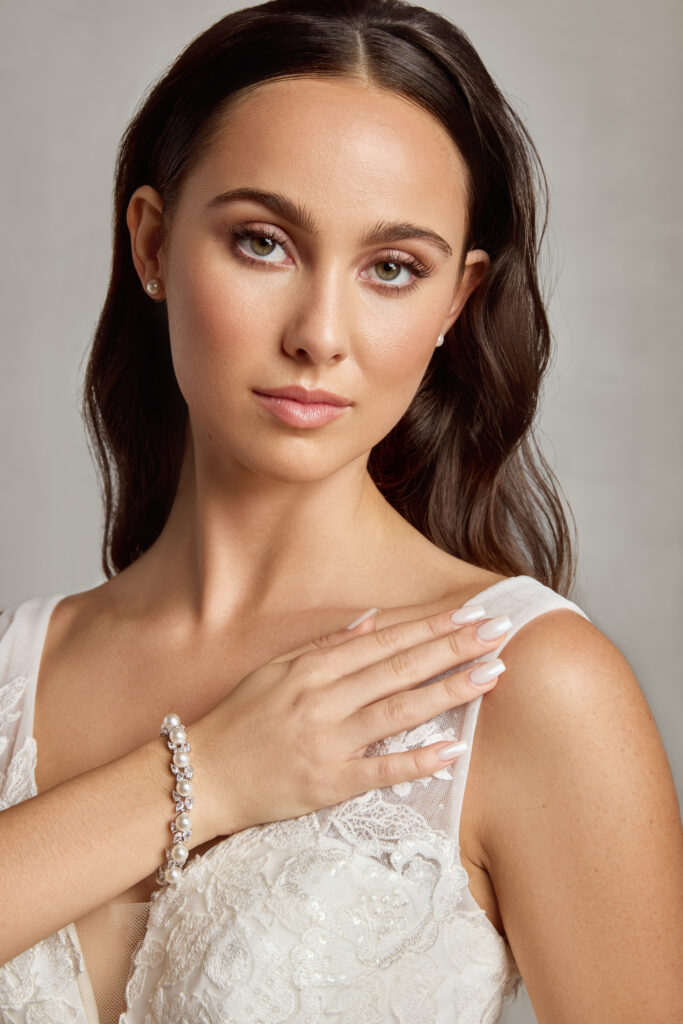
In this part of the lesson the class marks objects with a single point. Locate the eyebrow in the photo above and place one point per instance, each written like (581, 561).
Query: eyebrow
(300, 215)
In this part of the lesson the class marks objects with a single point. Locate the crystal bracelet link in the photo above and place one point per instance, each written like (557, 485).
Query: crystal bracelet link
(170, 873)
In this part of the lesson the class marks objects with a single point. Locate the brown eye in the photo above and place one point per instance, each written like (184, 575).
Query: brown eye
(261, 243)
(265, 250)
(393, 274)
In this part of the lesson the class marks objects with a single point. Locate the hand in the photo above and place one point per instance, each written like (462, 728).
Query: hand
(291, 736)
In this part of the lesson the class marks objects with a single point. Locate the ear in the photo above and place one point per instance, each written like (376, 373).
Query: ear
(143, 218)
(477, 263)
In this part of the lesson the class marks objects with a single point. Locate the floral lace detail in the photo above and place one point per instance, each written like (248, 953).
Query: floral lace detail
(34, 986)
(38, 977)
(352, 915)
(411, 739)
(51, 1011)
(17, 767)
(9, 699)
(17, 785)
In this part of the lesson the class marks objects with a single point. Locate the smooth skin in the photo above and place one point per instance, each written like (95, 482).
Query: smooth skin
(570, 831)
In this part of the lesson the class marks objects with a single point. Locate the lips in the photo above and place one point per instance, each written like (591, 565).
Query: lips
(303, 408)
(306, 396)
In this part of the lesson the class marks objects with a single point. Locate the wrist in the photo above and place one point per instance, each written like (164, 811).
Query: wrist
(206, 813)
(158, 761)
(182, 794)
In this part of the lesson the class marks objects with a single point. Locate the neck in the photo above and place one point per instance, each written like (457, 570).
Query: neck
(241, 544)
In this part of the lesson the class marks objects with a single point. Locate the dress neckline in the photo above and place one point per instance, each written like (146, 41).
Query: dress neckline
(42, 609)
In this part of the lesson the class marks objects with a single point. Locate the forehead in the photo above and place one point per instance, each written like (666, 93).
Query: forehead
(341, 146)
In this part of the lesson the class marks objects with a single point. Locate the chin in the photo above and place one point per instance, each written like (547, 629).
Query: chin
(299, 467)
(293, 460)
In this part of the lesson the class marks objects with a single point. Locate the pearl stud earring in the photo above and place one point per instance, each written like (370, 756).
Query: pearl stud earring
(152, 286)
(440, 340)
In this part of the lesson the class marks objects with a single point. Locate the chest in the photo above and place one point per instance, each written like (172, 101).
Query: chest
(109, 698)
(355, 879)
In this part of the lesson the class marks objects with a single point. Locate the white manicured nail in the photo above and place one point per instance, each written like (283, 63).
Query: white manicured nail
(362, 618)
(446, 753)
(494, 628)
(468, 613)
(486, 672)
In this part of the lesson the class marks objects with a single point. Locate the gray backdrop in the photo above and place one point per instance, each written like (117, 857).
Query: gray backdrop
(599, 86)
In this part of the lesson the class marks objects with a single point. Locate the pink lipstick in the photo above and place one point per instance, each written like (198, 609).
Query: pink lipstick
(300, 407)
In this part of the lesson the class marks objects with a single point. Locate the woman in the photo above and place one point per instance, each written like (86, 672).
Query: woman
(336, 198)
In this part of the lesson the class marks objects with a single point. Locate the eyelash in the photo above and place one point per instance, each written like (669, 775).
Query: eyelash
(417, 268)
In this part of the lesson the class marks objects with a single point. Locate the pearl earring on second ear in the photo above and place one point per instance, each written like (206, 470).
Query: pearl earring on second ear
(152, 286)
(440, 340)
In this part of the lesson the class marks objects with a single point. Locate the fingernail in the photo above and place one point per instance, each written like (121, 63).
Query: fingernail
(468, 613)
(362, 618)
(486, 672)
(494, 628)
(446, 753)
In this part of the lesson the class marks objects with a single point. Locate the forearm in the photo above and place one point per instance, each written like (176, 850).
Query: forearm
(86, 840)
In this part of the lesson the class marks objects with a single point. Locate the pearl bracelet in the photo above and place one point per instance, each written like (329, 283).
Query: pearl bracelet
(181, 828)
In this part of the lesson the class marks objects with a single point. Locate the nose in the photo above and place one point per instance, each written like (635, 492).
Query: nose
(317, 331)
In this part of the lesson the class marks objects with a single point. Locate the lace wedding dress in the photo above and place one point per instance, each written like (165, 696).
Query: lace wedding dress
(359, 913)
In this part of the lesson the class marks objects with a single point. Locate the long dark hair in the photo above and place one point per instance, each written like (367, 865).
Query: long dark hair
(462, 465)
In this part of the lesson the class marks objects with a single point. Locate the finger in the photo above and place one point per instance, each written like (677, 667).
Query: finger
(409, 666)
(364, 624)
(413, 707)
(365, 773)
(404, 667)
(394, 641)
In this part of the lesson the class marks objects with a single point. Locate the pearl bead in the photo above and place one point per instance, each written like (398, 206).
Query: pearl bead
(170, 721)
(181, 758)
(173, 874)
(177, 734)
(152, 286)
(184, 822)
(179, 853)
(183, 787)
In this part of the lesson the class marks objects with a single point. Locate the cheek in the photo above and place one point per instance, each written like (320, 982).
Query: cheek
(401, 335)
(399, 363)
(214, 323)
(394, 376)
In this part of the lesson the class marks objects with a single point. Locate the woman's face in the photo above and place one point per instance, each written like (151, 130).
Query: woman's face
(259, 299)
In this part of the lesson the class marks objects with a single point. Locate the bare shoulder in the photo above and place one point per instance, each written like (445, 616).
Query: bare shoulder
(579, 830)
(568, 708)
(568, 687)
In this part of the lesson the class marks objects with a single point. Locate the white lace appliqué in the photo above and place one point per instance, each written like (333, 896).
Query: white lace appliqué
(16, 766)
(36, 980)
(351, 915)
(411, 739)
